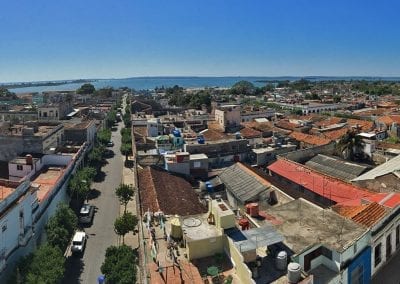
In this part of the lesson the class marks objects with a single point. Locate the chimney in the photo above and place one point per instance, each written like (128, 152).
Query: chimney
(29, 159)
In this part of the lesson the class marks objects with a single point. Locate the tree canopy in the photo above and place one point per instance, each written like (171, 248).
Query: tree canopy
(86, 89)
(61, 226)
(119, 265)
(125, 223)
(243, 88)
(45, 265)
(125, 194)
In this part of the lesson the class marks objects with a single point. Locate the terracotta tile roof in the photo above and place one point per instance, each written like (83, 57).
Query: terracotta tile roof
(286, 125)
(248, 132)
(140, 130)
(389, 119)
(348, 211)
(329, 121)
(366, 215)
(328, 187)
(214, 135)
(309, 139)
(364, 124)
(260, 126)
(335, 134)
(162, 191)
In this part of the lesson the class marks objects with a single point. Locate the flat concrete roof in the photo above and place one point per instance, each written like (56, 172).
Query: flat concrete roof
(197, 228)
(198, 157)
(304, 224)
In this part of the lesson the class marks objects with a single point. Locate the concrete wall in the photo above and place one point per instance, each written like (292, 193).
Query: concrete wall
(27, 170)
(242, 270)
(304, 155)
(205, 247)
(386, 227)
(56, 159)
(16, 227)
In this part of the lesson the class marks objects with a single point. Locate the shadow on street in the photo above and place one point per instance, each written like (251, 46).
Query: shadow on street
(74, 265)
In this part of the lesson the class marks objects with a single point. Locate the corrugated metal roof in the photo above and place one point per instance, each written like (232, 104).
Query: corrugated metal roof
(390, 166)
(243, 183)
(336, 167)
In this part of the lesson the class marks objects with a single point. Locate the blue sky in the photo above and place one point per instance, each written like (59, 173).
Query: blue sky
(49, 40)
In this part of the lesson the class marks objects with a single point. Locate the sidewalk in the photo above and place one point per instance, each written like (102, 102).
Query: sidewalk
(128, 178)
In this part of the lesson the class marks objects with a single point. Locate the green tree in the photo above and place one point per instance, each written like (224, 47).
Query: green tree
(61, 226)
(351, 145)
(104, 136)
(110, 118)
(124, 224)
(125, 194)
(96, 156)
(337, 99)
(243, 88)
(79, 184)
(119, 265)
(45, 265)
(126, 149)
(86, 89)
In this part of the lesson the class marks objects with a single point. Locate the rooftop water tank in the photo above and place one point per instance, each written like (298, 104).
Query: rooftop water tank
(209, 187)
(252, 209)
(176, 228)
(281, 260)
(294, 272)
(201, 140)
(176, 133)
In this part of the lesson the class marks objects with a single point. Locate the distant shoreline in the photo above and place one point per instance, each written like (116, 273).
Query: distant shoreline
(43, 84)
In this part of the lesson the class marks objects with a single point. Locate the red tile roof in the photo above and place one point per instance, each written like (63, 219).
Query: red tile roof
(162, 191)
(214, 135)
(329, 121)
(335, 134)
(389, 119)
(286, 125)
(365, 125)
(248, 132)
(309, 139)
(328, 187)
(366, 215)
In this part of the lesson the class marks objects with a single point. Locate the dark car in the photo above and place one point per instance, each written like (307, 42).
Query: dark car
(86, 214)
(110, 144)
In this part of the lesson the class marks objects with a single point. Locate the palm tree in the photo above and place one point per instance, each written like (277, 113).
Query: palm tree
(350, 145)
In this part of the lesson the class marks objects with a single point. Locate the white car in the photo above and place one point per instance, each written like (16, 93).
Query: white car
(78, 242)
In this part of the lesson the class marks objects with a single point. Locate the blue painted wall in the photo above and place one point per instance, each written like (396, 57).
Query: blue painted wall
(364, 259)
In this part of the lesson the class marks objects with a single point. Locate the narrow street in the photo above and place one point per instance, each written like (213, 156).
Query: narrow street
(101, 233)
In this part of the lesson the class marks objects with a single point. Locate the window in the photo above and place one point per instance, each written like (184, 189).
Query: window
(397, 236)
(20, 167)
(378, 252)
(388, 246)
(357, 275)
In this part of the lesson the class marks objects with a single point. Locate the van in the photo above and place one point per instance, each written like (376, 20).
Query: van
(78, 242)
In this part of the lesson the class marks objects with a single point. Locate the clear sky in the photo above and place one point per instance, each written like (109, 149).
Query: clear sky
(52, 39)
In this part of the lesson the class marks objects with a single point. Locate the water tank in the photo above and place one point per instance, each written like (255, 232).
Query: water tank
(176, 133)
(201, 140)
(281, 260)
(209, 187)
(294, 272)
(252, 209)
(176, 228)
(244, 223)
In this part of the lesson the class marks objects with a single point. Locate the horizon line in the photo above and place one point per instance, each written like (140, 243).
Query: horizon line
(205, 76)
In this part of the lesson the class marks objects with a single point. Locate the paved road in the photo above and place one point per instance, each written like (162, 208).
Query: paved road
(390, 273)
(101, 233)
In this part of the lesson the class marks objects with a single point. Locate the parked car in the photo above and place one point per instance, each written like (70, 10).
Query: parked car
(86, 214)
(78, 242)
(110, 144)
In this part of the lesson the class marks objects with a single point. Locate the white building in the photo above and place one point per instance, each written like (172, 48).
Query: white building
(311, 107)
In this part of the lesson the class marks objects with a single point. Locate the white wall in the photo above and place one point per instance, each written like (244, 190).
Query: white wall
(380, 238)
